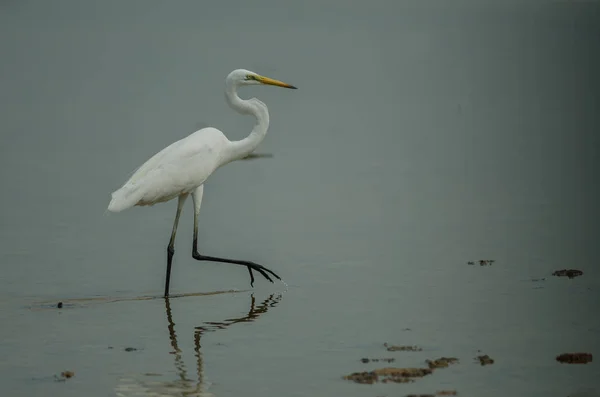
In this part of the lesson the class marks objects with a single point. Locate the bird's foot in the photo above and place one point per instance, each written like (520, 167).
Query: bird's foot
(250, 265)
(262, 270)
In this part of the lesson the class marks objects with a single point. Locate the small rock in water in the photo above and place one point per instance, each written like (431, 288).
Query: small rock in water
(60, 305)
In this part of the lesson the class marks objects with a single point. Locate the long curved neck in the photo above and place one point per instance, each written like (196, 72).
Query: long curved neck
(242, 148)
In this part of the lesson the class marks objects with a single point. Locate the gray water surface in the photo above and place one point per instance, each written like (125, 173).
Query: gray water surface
(423, 135)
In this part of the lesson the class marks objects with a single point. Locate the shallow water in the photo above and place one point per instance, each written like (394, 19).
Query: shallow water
(421, 137)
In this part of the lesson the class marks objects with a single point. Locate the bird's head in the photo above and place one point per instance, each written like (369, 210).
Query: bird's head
(242, 77)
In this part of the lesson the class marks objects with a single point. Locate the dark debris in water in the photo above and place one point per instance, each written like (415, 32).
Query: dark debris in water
(130, 349)
(64, 376)
(388, 375)
(365, 377)
(366, 360)
(574, 358)
(54, 305)
(392, 348)
(570, 273)
(441, 362)
(67, 374)
(482, 262)
(485, 359)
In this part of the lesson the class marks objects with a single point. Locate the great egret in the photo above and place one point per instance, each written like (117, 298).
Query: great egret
(181, 168)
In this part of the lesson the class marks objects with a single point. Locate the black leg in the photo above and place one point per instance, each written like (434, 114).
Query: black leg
(197, 197)
(171, 246)
(250, 265)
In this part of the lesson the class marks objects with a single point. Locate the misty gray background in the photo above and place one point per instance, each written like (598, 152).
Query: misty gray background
(422, 135)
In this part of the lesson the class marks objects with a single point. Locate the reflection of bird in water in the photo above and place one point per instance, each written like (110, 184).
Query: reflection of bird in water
(184, 386)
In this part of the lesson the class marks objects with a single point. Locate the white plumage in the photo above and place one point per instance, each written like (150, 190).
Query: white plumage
(181, 168)
(177, 169)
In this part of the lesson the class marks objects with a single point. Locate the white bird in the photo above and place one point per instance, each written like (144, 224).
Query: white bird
(181, 168)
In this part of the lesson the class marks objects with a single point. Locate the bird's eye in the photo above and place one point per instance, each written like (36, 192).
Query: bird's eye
(250, 77)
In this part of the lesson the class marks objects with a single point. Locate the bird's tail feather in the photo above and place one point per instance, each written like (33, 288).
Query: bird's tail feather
(124, 198)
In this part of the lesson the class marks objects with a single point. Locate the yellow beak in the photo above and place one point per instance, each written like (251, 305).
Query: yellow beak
(266, 80)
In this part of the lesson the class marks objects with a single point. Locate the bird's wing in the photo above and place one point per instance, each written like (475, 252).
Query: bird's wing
(177, 169)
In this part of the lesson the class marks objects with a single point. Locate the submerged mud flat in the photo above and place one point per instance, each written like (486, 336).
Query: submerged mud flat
(399, 374)
(410, 374)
